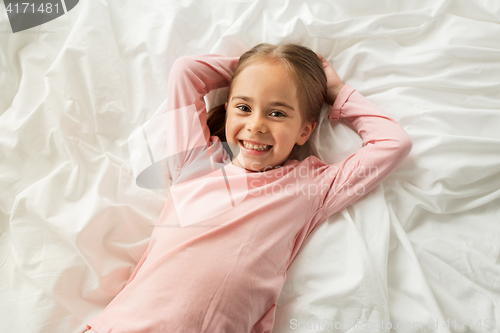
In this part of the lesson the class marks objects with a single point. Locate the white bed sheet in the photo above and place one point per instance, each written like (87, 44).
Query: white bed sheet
(423, 247)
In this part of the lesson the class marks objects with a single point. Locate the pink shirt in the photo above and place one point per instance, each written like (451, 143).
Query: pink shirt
(224, 272)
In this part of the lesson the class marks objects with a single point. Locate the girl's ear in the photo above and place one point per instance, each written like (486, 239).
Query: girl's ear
(225, 106)
(305, 133)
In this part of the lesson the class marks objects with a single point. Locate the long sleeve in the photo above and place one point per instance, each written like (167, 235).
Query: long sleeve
(385, 146)
(191, 78)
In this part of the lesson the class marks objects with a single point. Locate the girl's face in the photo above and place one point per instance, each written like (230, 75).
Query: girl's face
(263, 109)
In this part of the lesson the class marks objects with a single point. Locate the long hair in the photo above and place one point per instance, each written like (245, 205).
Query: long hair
(304, 66)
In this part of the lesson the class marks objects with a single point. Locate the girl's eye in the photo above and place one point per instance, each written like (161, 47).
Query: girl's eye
(243, 108)
(279, 113)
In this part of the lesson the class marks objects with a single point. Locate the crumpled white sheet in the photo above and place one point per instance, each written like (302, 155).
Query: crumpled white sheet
(423, 247)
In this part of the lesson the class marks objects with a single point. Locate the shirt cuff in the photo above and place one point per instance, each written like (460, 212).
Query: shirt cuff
(341, 99)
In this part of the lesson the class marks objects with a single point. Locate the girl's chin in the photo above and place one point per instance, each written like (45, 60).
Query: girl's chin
(250, 165)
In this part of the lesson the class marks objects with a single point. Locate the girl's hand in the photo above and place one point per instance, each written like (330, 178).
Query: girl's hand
(334, 85)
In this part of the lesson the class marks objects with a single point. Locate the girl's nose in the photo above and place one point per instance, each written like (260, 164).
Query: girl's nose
(257, 123)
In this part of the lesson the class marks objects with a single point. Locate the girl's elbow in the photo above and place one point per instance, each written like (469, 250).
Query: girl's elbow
(183, 63)
(405, 145)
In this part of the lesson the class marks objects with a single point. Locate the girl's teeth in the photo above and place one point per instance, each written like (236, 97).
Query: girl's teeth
(260, 148)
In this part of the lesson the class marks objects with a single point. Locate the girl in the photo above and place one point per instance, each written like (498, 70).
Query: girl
(218, 257)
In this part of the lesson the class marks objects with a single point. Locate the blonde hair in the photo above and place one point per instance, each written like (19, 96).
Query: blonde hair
(304, 66)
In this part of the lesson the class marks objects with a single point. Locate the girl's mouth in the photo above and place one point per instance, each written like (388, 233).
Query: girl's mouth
(254, 150)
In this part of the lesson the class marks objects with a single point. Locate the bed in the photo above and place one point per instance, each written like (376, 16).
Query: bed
(419, 253)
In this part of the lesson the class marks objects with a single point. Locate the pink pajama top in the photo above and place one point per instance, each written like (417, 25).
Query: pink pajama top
(219, 253)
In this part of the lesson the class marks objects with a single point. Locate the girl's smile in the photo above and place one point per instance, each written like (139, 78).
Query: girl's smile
(255, 149)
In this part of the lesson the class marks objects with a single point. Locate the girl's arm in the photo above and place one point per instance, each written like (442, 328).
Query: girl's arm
(385, 146)
(192, 77)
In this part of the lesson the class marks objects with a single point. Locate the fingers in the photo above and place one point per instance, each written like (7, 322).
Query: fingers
(325, 62)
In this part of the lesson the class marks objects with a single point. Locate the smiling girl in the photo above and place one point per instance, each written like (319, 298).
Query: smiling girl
(224, 272)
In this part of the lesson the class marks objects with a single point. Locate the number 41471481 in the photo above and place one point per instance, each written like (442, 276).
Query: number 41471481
(30, 8)
(485, 324)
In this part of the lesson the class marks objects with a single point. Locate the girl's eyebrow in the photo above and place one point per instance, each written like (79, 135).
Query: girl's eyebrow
(277, 103)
